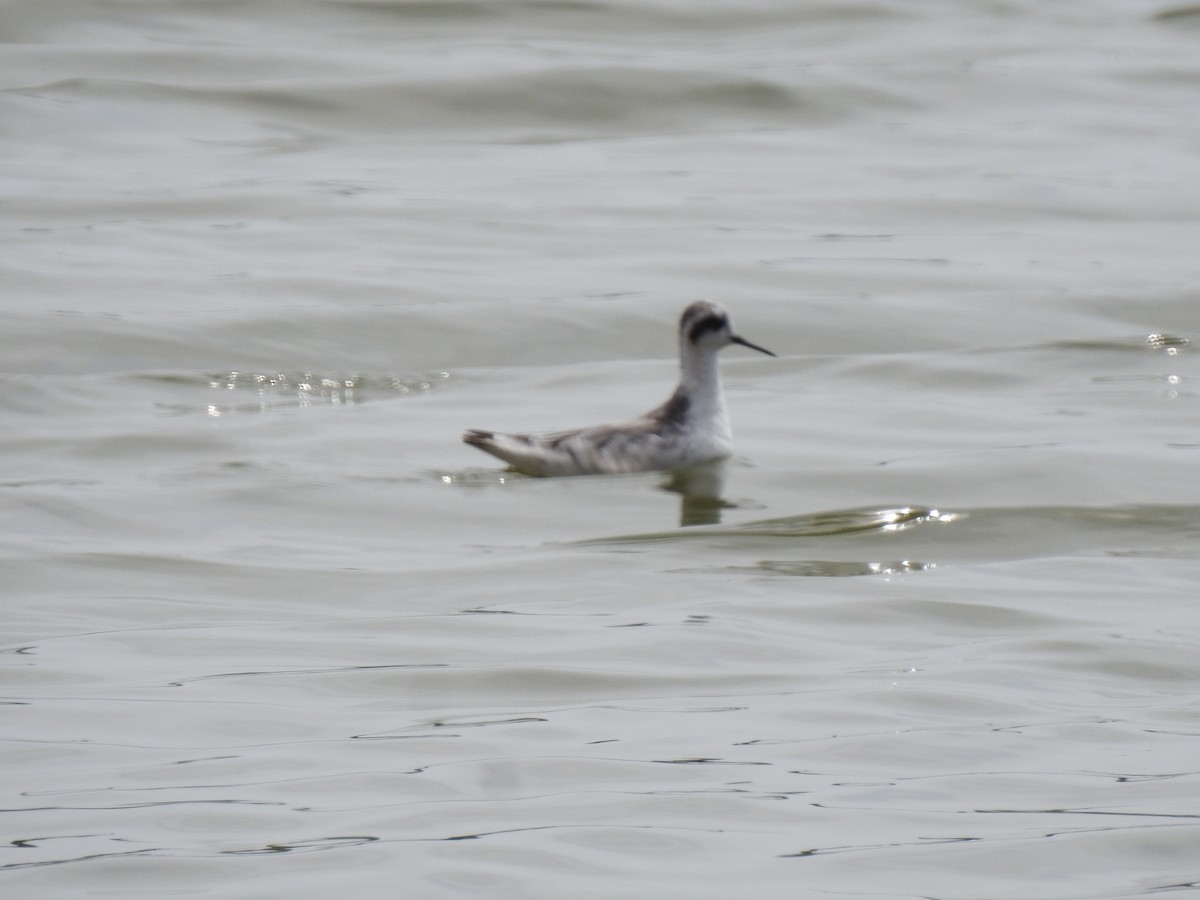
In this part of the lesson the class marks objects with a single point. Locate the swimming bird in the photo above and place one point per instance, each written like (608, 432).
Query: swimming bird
(691, 428)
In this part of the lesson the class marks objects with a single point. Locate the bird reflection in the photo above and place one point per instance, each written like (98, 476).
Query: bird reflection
(699, 489)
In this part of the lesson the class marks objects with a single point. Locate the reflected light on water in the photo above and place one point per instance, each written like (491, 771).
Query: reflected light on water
(1171, 343)
(275, 390)
(907, 516)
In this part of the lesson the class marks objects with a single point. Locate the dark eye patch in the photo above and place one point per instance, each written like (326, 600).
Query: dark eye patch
(702, 326)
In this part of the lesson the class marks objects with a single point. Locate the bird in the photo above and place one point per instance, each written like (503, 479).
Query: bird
(691, 428)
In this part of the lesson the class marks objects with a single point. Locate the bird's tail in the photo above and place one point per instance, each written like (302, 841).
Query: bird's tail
(477, 438)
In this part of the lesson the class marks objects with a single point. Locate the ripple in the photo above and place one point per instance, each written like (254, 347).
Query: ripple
(914, 539)
(820, 524)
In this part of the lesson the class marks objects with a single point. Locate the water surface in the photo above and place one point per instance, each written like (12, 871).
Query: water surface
(272, 629)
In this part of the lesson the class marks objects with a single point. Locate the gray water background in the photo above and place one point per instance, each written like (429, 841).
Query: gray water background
(270, 630)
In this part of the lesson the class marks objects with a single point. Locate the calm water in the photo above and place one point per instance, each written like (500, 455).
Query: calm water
(271, 630)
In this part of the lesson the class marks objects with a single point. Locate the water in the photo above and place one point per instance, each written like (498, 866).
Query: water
(271, 629)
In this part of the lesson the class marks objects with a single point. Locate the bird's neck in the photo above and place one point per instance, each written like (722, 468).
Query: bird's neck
(700, 377)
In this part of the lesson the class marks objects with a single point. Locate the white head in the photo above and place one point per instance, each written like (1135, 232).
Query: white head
(706, 326)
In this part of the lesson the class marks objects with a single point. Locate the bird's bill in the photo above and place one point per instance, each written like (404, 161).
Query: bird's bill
(746, 343)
